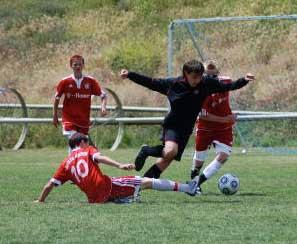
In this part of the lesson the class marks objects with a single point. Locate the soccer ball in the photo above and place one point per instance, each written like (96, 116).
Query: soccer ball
(228, 184)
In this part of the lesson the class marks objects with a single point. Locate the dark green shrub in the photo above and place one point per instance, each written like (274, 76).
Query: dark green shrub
(141, 55)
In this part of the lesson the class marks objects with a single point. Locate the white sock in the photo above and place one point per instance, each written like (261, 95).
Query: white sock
(212, 168)
(194, 164)
(168, 185)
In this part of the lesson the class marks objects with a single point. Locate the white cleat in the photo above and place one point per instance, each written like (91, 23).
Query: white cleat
(193, 187)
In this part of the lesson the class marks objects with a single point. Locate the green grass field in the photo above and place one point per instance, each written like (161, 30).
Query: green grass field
(263, 211)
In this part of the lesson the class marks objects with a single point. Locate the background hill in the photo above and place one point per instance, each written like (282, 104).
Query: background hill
(37, 38)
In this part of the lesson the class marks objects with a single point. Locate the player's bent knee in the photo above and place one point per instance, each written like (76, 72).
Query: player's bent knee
(200, 156)
(170, 149)
(222, 157)
(170, 153)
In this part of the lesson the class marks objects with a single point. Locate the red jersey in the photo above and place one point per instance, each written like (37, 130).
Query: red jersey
(80, 168)
(77, 99)
(217, 104)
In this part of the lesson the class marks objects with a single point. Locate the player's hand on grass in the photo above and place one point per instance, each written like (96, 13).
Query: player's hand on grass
(124, 74)
(249, 77)
(55, 120)
(127, 166)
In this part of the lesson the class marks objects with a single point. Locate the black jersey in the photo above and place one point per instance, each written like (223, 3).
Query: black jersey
(185, 101)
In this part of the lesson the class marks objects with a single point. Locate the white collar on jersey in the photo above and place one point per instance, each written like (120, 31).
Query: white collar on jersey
(78, 81)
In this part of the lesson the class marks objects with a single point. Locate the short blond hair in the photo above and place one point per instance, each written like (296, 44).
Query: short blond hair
(211, 64)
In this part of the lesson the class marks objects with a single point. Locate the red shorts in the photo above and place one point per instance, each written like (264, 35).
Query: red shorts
(68, 126)
(204, 138)
(124, 186)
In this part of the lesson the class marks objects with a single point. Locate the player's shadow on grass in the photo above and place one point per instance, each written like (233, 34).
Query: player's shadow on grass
(198, 200)
(223, 201)
(227, 199)
(259, 194)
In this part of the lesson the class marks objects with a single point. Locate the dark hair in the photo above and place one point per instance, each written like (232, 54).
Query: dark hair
(76, 139)
(76, 57)
(193, 66)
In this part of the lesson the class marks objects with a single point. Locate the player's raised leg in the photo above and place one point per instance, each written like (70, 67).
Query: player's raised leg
(222, 153)
(169, 153)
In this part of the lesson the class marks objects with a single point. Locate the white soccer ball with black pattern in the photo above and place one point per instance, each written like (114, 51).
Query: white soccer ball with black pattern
(228, 184)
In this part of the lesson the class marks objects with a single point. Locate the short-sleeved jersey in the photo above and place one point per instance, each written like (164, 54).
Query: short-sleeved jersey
(80, 168)
(217, 104)
(77, 99)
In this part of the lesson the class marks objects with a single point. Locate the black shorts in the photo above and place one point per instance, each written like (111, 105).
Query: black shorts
(181, 138)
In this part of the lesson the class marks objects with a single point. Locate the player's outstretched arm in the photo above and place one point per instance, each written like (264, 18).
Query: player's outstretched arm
(108, 161)
(45, 191)
(160, 85)
(216, 86)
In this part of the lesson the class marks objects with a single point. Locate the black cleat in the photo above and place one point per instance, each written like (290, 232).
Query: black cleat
(140, 158)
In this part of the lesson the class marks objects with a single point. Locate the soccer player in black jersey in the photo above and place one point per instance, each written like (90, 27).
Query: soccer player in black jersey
(186, 95)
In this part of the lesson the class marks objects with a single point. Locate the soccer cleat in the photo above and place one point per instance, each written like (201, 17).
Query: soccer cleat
(124, 200)
(193, 187)
(140, 158)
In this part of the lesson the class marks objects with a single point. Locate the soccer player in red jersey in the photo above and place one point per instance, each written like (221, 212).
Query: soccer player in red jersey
(77, 90)
(82, 168)
(214, 127)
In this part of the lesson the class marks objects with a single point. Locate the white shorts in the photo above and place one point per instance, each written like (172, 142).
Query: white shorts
(219, 148)
(68, 133)
(125, 189)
